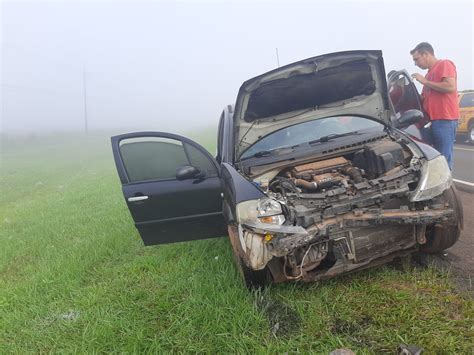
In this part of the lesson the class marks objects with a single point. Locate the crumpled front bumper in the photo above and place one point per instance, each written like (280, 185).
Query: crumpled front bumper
(261, 242)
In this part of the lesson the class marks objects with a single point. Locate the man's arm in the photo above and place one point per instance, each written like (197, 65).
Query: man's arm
(447, 85)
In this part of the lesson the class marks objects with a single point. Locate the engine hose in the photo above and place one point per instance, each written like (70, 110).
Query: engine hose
(354, 173)
(306, 184)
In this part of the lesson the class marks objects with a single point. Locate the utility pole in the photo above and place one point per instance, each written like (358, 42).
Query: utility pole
(86, 129)
(278, 59)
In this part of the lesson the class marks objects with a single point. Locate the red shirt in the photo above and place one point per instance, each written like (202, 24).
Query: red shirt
(436, 104)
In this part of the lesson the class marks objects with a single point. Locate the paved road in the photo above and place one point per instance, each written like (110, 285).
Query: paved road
(463, 167)
(459, 259)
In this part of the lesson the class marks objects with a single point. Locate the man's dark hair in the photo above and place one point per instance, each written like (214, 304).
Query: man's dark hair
(423, 47)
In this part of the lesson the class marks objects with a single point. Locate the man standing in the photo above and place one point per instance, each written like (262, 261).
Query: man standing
(440, 97)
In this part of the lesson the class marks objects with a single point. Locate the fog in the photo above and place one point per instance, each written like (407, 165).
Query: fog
(174, 66)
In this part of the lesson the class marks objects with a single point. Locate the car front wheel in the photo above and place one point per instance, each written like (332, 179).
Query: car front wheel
(470, 133)
(253, 279)
(442, 236)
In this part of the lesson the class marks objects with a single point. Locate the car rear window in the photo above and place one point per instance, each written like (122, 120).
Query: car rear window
(467, 100)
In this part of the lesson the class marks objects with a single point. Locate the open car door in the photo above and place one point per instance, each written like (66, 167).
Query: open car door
(171, 186)
(404, 96)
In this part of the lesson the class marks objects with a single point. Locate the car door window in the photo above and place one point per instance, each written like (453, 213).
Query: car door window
(403, 93)
(151, 158)
(197, 159)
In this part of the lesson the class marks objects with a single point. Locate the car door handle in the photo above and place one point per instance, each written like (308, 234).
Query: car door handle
(137, 198)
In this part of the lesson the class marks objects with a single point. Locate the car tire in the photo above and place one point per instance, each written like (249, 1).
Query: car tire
(470, 132)
(442, 236)
(253, 279)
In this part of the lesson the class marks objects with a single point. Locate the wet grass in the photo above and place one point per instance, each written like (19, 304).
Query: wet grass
(75, 277)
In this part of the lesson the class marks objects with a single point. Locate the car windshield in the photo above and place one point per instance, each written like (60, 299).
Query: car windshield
(310, 132)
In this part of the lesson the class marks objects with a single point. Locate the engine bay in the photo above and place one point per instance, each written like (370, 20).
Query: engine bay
(372, 175)
(355, 208)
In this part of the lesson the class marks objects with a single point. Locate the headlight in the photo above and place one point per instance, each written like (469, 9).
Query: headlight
(435, 178)
(269, 211)
(265, 210)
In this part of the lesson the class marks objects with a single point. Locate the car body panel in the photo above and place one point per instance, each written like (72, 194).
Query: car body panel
(466, 114)
(237, 188)
(224, 136)
(343, 83)
(171, 210)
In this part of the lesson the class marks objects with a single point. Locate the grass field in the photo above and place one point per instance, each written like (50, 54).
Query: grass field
(75, 277)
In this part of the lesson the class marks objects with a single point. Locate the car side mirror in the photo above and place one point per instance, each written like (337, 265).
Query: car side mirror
(410, 117)
(188, 172)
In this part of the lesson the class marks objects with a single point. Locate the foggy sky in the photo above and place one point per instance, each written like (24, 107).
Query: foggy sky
(169, 66)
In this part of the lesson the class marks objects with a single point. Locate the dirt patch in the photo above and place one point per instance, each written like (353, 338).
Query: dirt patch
(283, 320)
(345, 327)
(357, 332)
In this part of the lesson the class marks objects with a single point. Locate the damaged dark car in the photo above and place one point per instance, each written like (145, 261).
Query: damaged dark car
(320, 170)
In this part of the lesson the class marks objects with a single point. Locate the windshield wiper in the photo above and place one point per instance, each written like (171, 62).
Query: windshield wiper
(333, 136)
(276, 151)
(262, 153)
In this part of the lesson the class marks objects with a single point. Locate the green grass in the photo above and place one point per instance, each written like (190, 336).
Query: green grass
(75, 277)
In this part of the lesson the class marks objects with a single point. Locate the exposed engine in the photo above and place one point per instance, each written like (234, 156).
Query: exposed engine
(382, 158)
(345, 203)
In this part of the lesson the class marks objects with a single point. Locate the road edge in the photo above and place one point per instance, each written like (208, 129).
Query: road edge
(464, 185)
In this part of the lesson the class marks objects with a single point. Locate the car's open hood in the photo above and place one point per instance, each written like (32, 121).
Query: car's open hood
(343, 83)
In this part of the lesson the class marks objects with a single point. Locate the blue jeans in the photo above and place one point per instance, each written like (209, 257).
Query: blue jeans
(444, 133)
